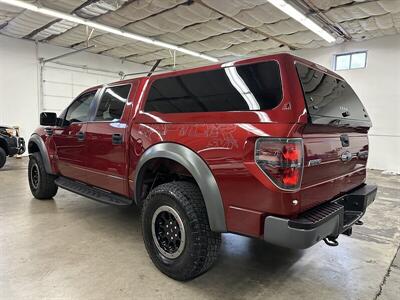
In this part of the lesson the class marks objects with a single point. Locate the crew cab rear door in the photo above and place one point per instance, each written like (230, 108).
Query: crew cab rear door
(107, 139)
(335, 137)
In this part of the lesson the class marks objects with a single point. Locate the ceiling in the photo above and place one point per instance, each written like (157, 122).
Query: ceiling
(225, 29)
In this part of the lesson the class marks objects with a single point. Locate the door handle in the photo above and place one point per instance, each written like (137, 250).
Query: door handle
(117, 139)
(80, 136)
(344, 138)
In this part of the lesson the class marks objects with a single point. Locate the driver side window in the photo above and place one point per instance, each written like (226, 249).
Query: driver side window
(79, 109)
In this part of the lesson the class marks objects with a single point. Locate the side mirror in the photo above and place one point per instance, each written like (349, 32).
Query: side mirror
(48, 119)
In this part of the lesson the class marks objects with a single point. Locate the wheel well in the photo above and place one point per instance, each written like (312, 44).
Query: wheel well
(33, 147)
(3, 144)
(157, 171)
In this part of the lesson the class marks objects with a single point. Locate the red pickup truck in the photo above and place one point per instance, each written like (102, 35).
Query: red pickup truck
(273, 147)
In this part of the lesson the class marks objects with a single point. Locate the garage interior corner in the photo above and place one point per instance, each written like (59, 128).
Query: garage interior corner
(199, 149)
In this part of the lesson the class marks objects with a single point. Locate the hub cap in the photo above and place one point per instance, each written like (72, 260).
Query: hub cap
(35, 176)
(168, 232)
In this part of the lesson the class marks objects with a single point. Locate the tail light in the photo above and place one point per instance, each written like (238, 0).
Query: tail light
(281, 160)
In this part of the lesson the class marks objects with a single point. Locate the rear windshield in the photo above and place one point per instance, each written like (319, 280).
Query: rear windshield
(242, 88)
(330, 100)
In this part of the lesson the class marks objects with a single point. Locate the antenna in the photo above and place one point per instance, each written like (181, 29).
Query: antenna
(154, 67)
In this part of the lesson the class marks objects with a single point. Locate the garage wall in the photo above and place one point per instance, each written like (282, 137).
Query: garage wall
(378, 86)
(19, 79)
(62, 83)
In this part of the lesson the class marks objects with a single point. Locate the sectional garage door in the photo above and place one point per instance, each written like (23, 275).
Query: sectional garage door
(62, 83)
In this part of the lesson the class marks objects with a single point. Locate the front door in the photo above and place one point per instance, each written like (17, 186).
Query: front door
(69, 139)
(106, 139)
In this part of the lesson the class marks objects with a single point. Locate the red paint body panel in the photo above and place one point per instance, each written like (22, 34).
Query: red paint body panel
(71, 153)
(332, 177)
(225, 141)
(244, 221)
(107, 164)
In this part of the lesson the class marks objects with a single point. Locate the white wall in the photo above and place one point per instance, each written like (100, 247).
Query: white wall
(61, 84)
(378, 86)
(19, 79)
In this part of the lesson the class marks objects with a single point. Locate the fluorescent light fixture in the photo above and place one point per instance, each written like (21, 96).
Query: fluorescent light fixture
(302, 19)
(109, 29)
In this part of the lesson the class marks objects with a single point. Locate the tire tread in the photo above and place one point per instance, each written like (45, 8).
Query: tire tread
(47, 187)
(206, 242)
(3, 157)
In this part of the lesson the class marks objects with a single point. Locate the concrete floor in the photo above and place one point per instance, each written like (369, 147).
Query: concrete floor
(75, 248)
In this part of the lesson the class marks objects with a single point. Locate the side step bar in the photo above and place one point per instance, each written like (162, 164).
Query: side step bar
(92, 192)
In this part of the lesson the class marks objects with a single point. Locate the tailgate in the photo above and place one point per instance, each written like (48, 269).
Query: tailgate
(335, 138)
(334, 163)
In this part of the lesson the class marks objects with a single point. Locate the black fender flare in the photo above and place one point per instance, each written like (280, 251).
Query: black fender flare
(200, 172)
(36, 139)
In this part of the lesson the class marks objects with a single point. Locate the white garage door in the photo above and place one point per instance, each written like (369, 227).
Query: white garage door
(61, 84)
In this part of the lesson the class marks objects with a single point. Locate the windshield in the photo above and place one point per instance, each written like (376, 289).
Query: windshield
(330, 100)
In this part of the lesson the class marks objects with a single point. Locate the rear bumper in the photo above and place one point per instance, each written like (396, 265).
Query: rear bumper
(327, 220)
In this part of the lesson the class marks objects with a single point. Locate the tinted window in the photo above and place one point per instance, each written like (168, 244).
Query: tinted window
(112, 103)
(243, 88)
(329, 99)
(79, 109)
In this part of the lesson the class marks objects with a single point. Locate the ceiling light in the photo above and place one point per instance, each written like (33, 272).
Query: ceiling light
(302, 19)
(109, 29)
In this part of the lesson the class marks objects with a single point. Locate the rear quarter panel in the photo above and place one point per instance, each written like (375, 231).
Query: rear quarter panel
(225, 141)
(228, 150)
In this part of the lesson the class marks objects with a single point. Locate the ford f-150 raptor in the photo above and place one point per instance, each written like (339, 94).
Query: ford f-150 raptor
(273, 147)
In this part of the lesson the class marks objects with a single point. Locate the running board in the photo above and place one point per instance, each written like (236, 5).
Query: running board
(92, 192)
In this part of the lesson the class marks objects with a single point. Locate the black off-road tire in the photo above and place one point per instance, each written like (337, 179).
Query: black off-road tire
(201, 245)
(44, 187)
(3, 157)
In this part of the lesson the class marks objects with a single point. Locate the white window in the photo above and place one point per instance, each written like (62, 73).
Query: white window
(348, 61)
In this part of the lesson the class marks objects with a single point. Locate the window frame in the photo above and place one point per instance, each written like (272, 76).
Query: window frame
(335, 56)
(100, 96)
(91, 108)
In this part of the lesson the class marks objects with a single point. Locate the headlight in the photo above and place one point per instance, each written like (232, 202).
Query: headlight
(11, 131)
